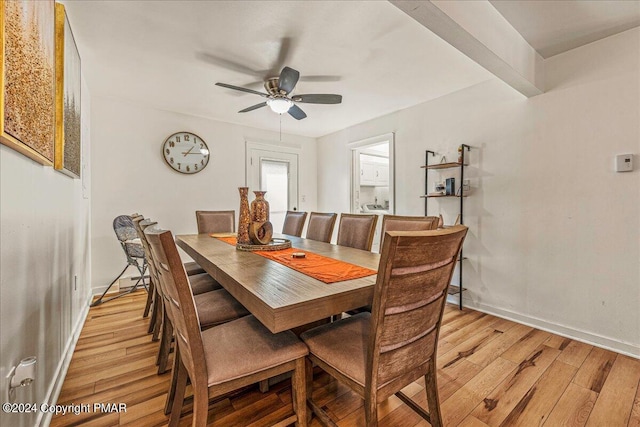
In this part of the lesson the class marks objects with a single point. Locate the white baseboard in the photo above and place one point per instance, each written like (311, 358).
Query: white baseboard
(607, 343)
(53, 392)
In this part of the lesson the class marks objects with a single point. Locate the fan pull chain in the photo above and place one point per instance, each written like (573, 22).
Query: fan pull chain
(280, 127)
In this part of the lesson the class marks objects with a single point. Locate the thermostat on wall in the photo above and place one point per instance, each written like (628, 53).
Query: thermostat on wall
(624, 162)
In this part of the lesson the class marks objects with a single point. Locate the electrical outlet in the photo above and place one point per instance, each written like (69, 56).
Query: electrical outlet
(466, 184)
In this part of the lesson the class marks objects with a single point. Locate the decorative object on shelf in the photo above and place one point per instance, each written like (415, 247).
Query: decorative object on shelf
(27, 77)
(68, 140)
(450, 187)
(186, 152)
(259, 207)
(244, 220)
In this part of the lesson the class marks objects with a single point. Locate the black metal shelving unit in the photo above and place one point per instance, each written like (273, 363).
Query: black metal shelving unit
(453, 289)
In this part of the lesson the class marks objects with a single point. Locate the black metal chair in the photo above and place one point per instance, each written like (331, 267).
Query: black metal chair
(133, 250)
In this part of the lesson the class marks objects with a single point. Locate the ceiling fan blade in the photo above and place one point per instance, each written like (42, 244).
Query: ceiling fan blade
(296, 112)
(253, 107)
(323, 98)
(243, 89)
(288, 79)
(229, 65)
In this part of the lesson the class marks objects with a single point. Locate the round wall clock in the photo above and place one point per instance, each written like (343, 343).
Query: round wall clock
(186, 152)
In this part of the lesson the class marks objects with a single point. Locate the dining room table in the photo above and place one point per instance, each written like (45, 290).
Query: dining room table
(281, 297)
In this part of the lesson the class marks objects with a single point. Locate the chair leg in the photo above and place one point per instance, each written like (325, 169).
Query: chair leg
(299, 392)
(165, 345)
(200, 405)
(159, 317)
(99, 300)
(431, 387)
(154, 310)
(263, 386)
(147, 306)
(171, 394)
(308, 376)
(181, 385)
(371, 411)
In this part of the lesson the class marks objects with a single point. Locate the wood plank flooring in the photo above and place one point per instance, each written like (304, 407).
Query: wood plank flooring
(492, 372)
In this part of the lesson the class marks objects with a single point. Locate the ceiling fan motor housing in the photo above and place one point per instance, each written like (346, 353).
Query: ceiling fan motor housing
(272, 87)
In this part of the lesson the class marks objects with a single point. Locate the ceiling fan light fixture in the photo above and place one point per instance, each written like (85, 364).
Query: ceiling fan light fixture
(279, 105)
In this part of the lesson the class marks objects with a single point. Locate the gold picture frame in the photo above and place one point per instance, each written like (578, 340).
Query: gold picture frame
(68, 140)
(27, 78)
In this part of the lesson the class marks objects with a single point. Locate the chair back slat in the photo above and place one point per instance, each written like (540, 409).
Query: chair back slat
(178, 300)
(294, 223)
(216, 221)
(357, 231)
(414, 274)
(321, 226)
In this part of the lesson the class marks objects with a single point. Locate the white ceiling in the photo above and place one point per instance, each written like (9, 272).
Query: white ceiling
(168, 55)
(553, 27)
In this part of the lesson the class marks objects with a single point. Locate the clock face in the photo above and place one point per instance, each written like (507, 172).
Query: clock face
(186, 152)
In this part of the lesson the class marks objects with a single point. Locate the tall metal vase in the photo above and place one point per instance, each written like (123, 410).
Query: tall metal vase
(245, 216)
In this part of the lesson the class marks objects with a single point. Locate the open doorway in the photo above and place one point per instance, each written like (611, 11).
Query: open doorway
(372, 179)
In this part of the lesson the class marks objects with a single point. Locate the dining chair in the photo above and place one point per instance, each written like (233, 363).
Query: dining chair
(216, 221)
(356, 230)
(224, 358)
(408, 223)
(377, 354)
(321, 226)
(294, 223)
(201, 282)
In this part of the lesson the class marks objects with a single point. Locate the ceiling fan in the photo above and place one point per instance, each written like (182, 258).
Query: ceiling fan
(278, 95)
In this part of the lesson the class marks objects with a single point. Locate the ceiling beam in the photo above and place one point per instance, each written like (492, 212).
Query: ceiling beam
(479, 31)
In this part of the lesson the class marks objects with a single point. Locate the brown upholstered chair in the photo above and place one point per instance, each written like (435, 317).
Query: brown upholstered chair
(321, 226)
(216, 221)
(214, 306)
(356, 231)
(201, 282)
(294, 223)
(408, 223)
(377, 354)
(225, 358)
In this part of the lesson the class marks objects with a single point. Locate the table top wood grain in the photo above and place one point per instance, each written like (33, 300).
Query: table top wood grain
(280, 297)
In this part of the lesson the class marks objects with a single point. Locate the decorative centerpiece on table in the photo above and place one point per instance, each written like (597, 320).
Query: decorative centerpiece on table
(255, 232)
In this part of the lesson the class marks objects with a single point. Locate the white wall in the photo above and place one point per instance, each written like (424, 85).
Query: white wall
(554, 236)
(44, 243)
(130, 175)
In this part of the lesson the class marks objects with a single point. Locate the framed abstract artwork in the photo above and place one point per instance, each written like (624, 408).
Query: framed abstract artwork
(27, 78)
(68, 86)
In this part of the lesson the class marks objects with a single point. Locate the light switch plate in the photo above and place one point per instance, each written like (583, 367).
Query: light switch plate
(624, 162)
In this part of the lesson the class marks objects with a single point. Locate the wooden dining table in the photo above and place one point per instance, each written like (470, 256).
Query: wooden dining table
(280, 297)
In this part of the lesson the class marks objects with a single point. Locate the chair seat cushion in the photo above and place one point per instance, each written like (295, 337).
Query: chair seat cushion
(244, 347)
(193, 268)
(342, 344)
(201, 283)
(217, 307)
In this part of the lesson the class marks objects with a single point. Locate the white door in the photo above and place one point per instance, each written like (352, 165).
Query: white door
(277, 174)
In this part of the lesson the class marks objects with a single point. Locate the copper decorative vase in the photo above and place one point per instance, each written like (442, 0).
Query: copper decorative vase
(244, 220)
(259, 208)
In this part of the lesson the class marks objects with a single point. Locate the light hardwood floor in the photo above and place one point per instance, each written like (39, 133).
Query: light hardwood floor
(491, 372)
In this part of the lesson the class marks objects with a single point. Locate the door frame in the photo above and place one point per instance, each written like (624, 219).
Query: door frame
(354, 178)
(283, 149)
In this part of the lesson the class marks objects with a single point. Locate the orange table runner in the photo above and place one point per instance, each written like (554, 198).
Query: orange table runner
(325, 269)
